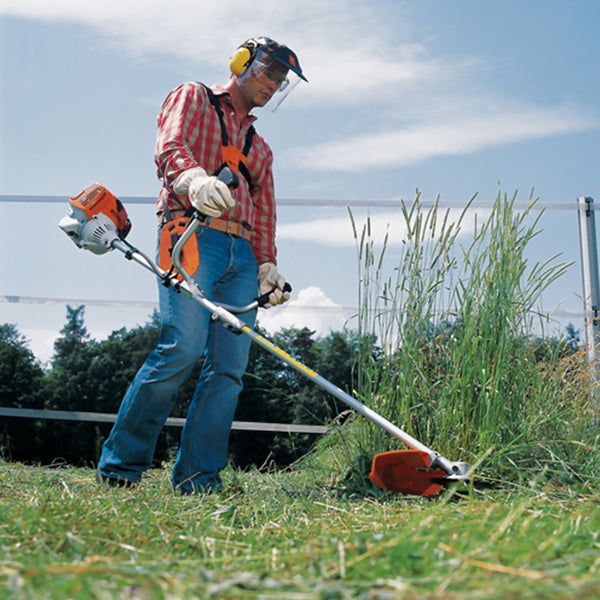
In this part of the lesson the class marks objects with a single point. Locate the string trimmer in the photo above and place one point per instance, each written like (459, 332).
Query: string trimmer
(97, 221)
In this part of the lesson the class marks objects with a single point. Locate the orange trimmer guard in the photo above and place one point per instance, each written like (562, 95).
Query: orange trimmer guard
(406, 472)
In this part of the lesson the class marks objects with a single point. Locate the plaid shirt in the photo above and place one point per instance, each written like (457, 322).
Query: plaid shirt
(189, 135)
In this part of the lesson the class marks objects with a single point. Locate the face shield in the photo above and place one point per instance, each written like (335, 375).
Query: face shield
(279, 66)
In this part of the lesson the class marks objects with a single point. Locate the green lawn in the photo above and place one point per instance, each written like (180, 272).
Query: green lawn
(289, 535)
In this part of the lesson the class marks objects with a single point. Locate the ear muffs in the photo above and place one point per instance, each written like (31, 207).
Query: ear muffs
(240, 61)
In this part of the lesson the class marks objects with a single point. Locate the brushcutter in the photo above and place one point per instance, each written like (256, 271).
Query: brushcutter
(97, 221)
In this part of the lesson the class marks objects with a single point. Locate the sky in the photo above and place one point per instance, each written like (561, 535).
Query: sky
(453, 99)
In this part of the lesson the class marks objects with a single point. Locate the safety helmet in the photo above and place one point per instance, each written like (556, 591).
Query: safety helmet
(264, 55)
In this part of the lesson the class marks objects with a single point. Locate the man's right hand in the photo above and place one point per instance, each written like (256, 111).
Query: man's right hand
(207, 193)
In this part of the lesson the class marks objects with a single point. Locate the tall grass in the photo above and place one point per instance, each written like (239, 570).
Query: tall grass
(465, 366)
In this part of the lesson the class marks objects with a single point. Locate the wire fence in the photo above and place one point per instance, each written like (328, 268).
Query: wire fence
(352, 202)
(72, 415)
(556, 313)
(240, 425)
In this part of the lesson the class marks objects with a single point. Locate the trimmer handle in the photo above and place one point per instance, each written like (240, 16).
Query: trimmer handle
(262, 300)
(228, 176)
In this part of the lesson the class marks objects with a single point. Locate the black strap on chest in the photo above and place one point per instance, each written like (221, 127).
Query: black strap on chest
(229, 151)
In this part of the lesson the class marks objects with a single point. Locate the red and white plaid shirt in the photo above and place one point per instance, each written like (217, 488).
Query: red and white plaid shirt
(189, 135)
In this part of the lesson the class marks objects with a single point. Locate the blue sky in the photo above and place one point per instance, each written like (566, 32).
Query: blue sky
(452, 98)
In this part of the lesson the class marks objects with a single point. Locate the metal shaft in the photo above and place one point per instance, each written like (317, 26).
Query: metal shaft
(190, 289)
(336, 391)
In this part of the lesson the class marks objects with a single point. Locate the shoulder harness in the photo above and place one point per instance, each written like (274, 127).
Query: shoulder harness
(173, 228)
(232, 157)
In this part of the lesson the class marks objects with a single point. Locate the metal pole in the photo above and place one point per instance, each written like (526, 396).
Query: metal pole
(591, 281)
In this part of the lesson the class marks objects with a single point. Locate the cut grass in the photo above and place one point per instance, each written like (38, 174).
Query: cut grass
(292, 534)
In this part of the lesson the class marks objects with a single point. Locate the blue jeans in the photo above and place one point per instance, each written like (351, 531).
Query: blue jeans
(227, 274)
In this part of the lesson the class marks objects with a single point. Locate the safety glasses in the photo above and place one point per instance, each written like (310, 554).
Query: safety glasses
(272, 70)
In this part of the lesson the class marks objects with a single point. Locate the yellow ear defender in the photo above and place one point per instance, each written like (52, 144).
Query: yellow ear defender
(240, 61)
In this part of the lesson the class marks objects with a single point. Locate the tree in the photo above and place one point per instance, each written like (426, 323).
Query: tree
(21, 386)
(75, 336)
(68, 388)
(91, 376)
(20, 373)
(274, 392)
(73, 353)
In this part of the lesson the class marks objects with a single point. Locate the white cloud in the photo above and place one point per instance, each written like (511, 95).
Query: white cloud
(351, 53)
(459, 134)
(192, 29)
(345, 47)
(312, 309)
(338, 232)
(328, 232)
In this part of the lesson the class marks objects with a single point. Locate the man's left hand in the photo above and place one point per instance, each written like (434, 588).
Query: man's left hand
(272, 283)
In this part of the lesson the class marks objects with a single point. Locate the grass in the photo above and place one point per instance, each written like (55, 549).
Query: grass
(458, 368)
(289, 535)
(466, 367)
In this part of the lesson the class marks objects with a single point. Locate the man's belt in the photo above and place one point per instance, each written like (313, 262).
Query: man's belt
(229, 227)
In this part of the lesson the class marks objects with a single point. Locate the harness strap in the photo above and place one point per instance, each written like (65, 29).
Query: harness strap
(232, 156)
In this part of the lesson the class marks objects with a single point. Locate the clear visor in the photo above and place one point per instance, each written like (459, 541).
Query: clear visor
(285, 80)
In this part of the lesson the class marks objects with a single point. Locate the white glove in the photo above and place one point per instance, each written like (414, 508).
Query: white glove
(269, 280)
(207, 193)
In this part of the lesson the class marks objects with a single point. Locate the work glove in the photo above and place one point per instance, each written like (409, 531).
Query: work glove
(207, 194)
(271, 282)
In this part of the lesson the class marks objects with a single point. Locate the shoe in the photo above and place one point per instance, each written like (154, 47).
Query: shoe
(114, 482)
(187, 488)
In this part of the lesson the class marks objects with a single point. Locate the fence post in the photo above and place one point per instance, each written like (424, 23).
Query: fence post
(591, 282)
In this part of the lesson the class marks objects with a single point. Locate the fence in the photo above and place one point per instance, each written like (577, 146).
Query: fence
(64, 415)
(590, 281)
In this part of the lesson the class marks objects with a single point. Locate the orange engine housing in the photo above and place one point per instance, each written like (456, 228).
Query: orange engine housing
(96, 199)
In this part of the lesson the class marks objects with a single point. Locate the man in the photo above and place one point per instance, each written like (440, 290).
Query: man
(200, 130)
